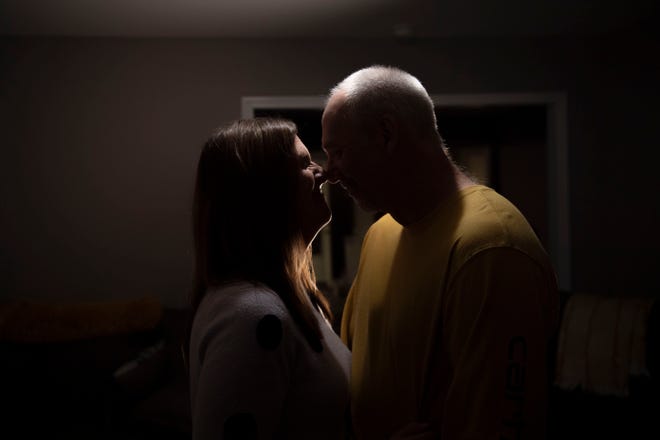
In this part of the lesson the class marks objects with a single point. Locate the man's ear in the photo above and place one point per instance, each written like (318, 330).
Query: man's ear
(390, 132)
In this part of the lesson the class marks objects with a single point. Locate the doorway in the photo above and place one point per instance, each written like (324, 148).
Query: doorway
(515, 143)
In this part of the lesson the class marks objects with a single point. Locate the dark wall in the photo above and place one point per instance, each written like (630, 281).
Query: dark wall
(100, 139)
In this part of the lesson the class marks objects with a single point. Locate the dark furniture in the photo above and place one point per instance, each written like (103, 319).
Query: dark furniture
(134, 385)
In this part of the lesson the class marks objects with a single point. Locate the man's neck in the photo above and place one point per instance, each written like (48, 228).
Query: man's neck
(436, 180)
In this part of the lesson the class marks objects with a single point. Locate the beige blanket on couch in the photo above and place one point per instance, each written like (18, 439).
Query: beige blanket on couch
(602, 342)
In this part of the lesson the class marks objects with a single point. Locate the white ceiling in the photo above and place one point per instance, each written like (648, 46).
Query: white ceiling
(323, 18)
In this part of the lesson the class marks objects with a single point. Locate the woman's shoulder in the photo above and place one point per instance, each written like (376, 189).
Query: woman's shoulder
(243, 300)
(243, 320)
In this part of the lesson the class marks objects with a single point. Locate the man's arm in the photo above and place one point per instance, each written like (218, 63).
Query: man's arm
(498, 318)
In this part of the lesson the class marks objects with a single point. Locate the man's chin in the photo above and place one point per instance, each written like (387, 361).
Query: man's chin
(364, 205)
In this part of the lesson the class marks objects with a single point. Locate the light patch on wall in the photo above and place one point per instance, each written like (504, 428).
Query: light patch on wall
(185, 18)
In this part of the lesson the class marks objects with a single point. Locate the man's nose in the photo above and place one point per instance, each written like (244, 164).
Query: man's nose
(330, 172)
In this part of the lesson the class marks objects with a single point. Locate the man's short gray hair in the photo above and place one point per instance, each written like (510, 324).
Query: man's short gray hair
(383, 89)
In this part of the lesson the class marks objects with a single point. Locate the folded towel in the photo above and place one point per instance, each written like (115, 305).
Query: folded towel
(602, 342)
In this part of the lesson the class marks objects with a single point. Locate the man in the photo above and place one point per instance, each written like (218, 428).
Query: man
(454, 301)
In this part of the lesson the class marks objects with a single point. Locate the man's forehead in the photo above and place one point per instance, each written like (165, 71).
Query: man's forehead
(332, 130)
(334, 122)
(335, 103)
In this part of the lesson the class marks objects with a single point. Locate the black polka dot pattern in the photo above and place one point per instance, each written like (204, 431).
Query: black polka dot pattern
(241, 426)
(269, 332)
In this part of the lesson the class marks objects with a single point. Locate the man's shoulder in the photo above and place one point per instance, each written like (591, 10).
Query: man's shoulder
(489, 216)
(384, 227)
(489, 221)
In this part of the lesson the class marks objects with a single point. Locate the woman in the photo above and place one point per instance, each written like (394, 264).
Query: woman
(264, 361)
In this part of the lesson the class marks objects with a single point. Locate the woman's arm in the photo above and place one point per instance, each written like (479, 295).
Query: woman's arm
(245, 368)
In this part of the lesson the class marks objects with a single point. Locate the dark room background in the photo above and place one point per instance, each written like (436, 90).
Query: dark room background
(105, 106)
(100, 138)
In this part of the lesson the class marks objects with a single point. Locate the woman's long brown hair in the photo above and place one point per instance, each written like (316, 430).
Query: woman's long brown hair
(245, 223)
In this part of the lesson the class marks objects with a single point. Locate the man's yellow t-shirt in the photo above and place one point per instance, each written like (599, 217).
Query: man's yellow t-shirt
(448, 321)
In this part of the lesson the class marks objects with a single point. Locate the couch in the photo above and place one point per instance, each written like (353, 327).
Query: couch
(109, 370)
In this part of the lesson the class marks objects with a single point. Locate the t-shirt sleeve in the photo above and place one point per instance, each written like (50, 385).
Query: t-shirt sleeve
(245, 368)
(496, 330)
